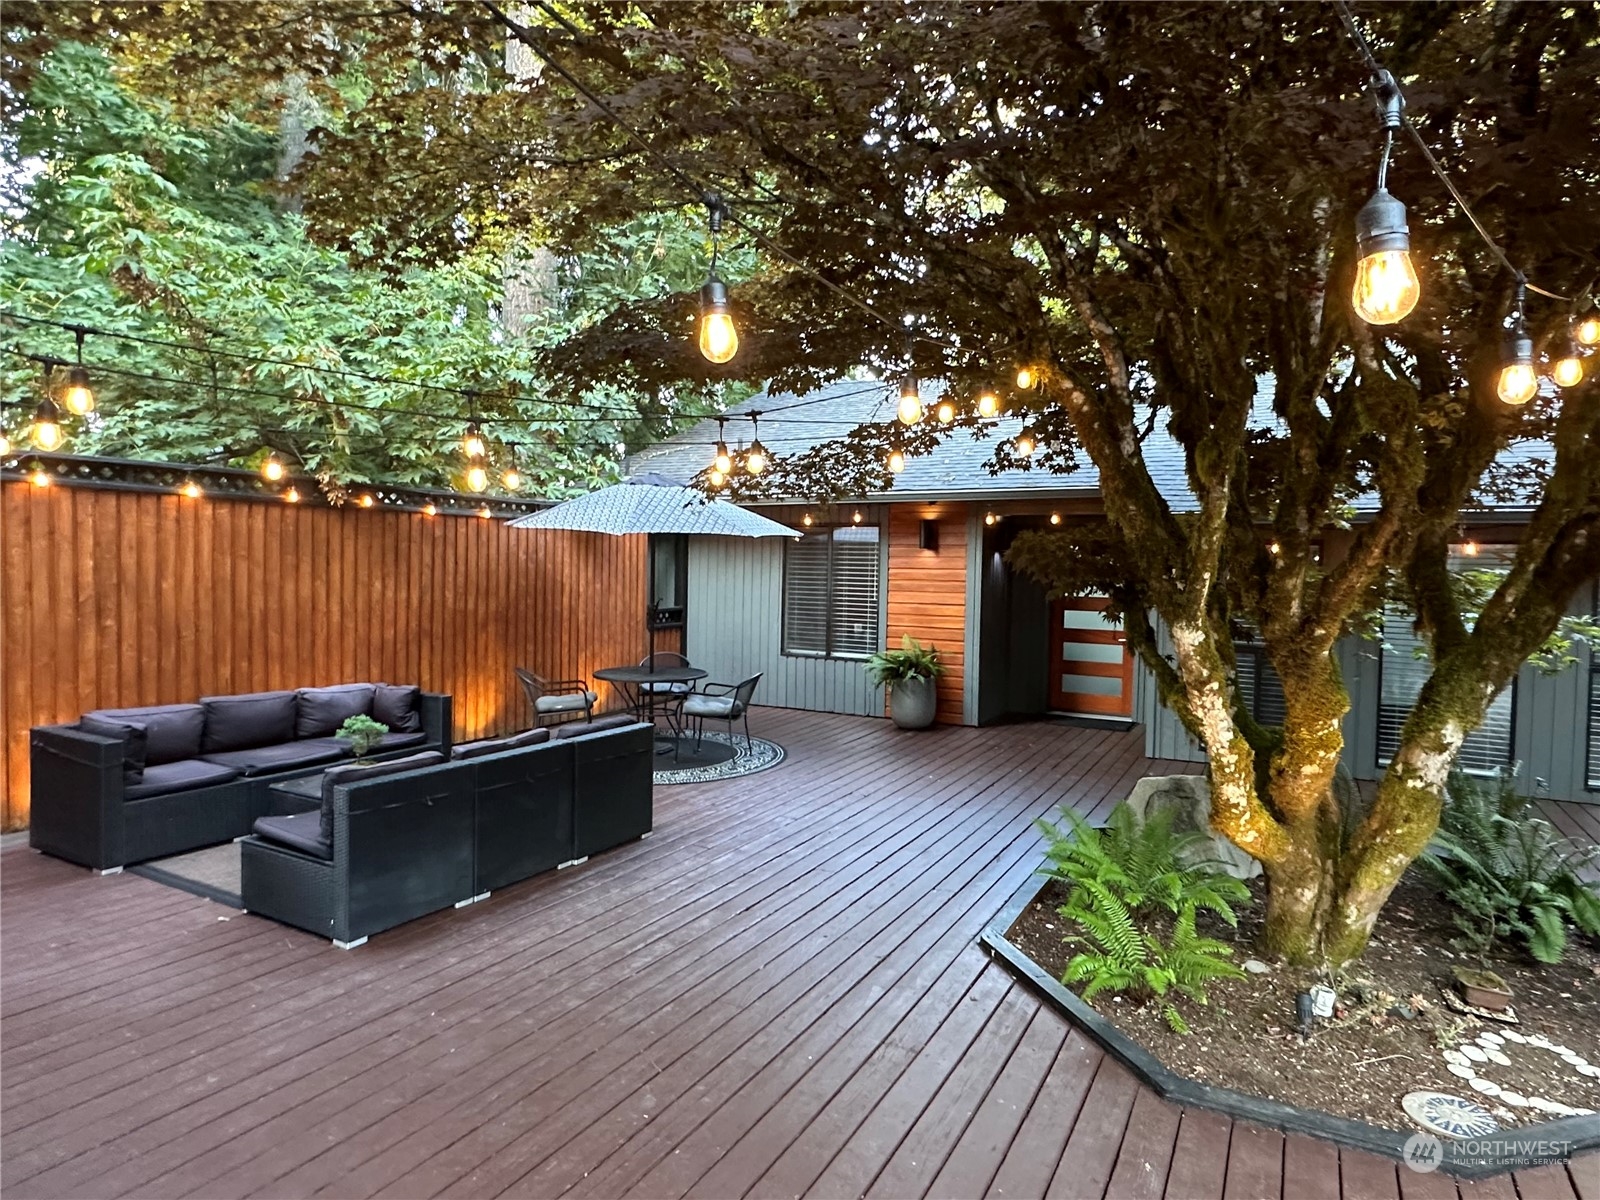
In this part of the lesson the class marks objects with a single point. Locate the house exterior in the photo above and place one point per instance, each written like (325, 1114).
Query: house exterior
(927, 558)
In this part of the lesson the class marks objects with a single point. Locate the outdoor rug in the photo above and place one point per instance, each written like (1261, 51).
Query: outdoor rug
(212, 873)
(743, 760)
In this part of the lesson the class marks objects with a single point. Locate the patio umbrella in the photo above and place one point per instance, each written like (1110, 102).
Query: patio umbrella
(653, 504)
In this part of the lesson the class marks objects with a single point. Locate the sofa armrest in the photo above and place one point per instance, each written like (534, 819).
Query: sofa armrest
(438, 720)
(77, 793)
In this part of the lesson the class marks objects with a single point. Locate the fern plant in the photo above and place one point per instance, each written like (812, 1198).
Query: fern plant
(1510, 875)
(1119, 878)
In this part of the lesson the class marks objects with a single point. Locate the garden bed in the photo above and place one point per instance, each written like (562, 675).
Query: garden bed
(1245, 1056)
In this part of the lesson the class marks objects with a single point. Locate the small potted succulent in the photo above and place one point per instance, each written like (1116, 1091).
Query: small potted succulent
(910, 673)
(1482, 988)
(363, 734)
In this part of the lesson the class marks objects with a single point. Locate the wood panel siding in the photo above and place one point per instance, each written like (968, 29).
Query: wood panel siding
(121, 598)
(928, 593)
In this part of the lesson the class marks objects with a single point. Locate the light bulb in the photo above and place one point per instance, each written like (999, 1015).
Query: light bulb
(755, 458)
(988, 405)
(512, 479)
(47, 425)
(717, 477)
(1055, 518)
(430, 509)
(477, 478)
(1470, 549)
(1025, 378)
(909, 409)
(1273, 548)
(1518, 384)
(366, 500)
(1386, 287)
(855, 517)
(1024, 445)
(292, 496)
(41, 478)
(272, 468)
(77, 394)
(5, 444)
(484, 512)
(1588, 330)
(1568, 371)
(472, 442)
(191, 489)
(806, 520)
(946, 412)
(719, 340)
(897, 462)
(723, 461)
(988, 518)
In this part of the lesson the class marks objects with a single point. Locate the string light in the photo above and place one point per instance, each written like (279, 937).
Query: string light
(1568, 368)
(1055, 518)
(272, 468)
(909, 409)
(366, 500)
(1588, 330)
(512, 479)
(1024, 444)
(1386, 287)
(722, 462)
(472, 443)
(484, 512)
(988, 405)
(755, 458)
(989, 518)
(806, 520)
(41, 477)
(1518, 382)
(46, 431)
(716, 478)
(1470, 548)
(719, 340)
(190, 489)
(946, 412)
(477, 478)
(1025, 378)
(79, 397)
(292, 496)
(430, 509)
(855, 517)
(1274, 548)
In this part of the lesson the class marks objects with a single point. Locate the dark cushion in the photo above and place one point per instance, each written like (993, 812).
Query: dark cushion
(132, 737)
(396, 706)
(242, 722)
(343, 776)
(172, 732)
(161, 778)
(320, 711)
(299, 831)
(578, 728)
(267, 760)
(533, 737)
(399, 741)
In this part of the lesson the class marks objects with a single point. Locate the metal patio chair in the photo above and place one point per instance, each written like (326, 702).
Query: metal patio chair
(665, 698)
(558, 698)
(728, 702)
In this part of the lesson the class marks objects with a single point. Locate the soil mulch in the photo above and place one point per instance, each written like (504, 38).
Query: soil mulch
(1362, 1061)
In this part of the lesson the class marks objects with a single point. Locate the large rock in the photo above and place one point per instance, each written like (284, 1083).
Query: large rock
(1189, 797)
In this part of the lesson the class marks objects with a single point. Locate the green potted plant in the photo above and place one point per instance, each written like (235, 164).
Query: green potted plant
(910, 673)
(363, 733)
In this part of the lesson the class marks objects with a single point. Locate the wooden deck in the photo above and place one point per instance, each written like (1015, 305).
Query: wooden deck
(779, 994)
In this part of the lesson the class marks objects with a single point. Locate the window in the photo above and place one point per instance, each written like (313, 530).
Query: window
(669, 579)
(830, 593)
(1404, 667)
(1260, 689)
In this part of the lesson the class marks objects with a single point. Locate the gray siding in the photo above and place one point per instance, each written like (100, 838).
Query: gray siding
(735, 614)
(1548, 736)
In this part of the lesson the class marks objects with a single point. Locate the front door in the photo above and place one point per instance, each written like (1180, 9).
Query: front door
(1091, 670)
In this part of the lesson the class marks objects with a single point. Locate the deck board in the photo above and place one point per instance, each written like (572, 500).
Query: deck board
(780, 993)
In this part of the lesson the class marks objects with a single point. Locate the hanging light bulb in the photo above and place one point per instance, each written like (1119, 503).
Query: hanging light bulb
(1055, 518)
(1470, 548)
(988, 405)
(806, 520)
(484, 512)
(1568, 369)
(755, 458)
(77, 395)
(897, 462)
(1025, 378)
(40, 477)
(723, 461)
(989, 518)
(272, 468)
(1518, 382)
(909, 409)
(292, 496)
(366, 500)
(477, 478)
(1386, 287)
(191, 489)
(717, 478)
(1024, 445)
(719, 340)
(1588, 330)
(512, 479)
(472, 443)
(430, 509)
(46, 431)
(946, 412)
(855, 517)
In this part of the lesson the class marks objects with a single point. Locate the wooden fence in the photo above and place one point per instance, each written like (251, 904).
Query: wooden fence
(116, 598)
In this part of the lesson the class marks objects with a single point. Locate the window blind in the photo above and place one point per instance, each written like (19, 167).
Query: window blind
(830, 593)
(1260, 689)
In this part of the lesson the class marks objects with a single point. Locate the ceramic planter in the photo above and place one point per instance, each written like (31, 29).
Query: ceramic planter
(1483, 989)
(912, 703)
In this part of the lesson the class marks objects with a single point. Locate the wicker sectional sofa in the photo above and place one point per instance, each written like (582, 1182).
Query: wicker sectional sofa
(126, 785)
(393, 842)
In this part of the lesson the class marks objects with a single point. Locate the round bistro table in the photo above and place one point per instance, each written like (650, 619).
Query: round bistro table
(635, 685)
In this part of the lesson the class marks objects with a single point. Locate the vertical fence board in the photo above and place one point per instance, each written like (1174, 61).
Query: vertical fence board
(118, 598)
